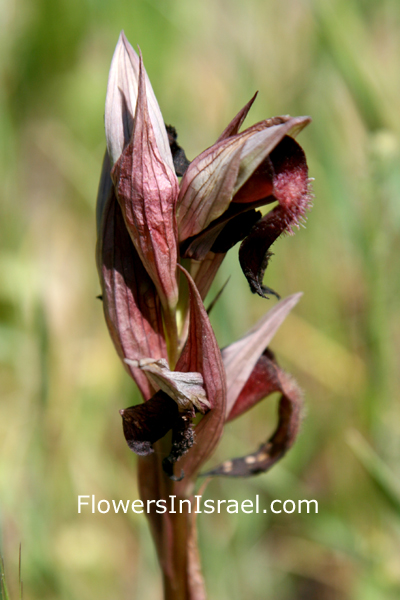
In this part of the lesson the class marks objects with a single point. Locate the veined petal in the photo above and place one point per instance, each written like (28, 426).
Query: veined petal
(216, 175)
(147, 189)
(185, 388)
(241, 357)
(289, 420)
(201, 354)
(203, 272)
(122, 93)
(130, 301)
(262, 382)
(258, 146)
(206, 187)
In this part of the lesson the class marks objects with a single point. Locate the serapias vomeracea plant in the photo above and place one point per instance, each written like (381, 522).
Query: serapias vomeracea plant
(160, 244)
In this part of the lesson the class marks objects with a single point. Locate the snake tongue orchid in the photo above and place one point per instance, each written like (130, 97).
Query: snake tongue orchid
(160, 243)
(149, 225)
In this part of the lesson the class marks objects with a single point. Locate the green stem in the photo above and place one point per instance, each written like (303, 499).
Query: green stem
(171, 334)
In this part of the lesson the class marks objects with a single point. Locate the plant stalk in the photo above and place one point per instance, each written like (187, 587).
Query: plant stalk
(174, 533)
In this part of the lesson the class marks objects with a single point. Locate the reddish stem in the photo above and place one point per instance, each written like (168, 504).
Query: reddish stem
(174, 533)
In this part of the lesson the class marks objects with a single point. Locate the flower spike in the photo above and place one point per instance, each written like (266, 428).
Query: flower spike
(150, 226)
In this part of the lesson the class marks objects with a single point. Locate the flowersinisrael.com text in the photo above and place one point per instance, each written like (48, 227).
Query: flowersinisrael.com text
(197, 506)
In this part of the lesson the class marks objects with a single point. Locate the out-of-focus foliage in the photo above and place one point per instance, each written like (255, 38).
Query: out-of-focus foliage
(61, 382)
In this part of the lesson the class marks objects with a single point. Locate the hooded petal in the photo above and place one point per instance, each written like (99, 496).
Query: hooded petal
(130, 301)
(201, 354)
(259, 145)
(289, 420)
(122, 93)
(241, 357)
(217, 174)
(147, 189)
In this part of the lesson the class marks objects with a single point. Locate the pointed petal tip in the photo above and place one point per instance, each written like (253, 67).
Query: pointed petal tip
(294, 297)
(241, 357)
(123, 41)
(290, 301)
(284, 306)
(299, 123)
(255, 96)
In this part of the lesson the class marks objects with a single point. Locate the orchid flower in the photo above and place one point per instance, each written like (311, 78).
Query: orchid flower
(160, 244)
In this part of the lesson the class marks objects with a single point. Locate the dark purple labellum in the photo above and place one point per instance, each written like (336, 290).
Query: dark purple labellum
(181, 163)
(254, 255)
(267, 377)
(182, 441)
(146, 423)
(290, 189)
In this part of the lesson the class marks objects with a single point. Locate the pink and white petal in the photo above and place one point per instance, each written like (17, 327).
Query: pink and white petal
(206, 187)
(147, 189)
(241, 357)
(218, 173)
(121, 98)
(258, 146)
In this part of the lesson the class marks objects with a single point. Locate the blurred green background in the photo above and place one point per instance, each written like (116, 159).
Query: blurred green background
(61, 382)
